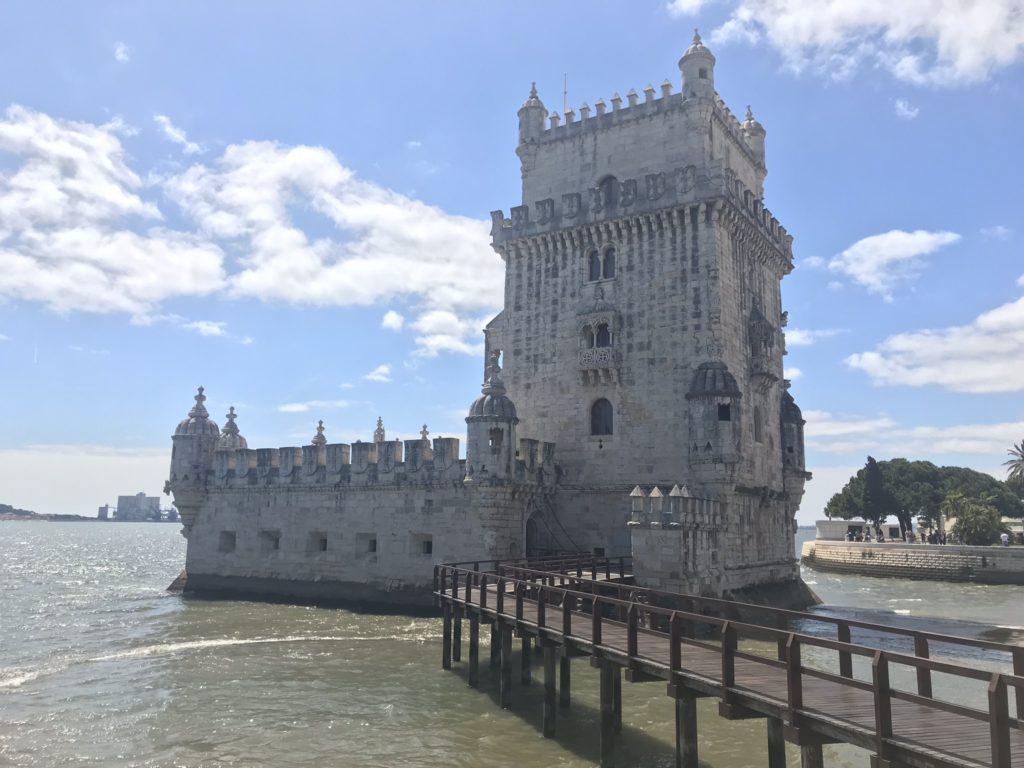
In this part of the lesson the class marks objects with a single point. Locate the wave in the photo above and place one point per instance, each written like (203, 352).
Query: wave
(15, 677)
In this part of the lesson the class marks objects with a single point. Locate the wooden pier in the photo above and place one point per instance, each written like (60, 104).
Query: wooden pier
(587, 607)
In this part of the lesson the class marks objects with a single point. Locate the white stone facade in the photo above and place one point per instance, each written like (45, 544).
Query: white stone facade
(642, 332)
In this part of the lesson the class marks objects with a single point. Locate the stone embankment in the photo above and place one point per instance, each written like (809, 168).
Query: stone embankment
(985, 565)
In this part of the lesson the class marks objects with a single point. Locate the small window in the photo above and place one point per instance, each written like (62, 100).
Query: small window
(758, 426)
(601, 418)
(496, 438)
(270, 541)
(598, 551)
(604, 336)
(724, 413)
(594, 260)
(702, 73)
(227, 541)
(427, 547)
(609, 263)
(317, 541)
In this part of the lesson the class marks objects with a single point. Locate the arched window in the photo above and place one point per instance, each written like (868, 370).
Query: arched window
(758, 426)
(496, 437)
(604, 336)
(601, 418)
(595, 265)
(587, 337)
(609, 263)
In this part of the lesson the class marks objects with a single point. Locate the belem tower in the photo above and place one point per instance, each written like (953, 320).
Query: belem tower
(642, 333)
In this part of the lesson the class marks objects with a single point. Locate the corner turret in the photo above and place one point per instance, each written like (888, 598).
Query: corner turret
(698, 68)
(491, 431)
(194, 442)
(531, 117)
(230, 438)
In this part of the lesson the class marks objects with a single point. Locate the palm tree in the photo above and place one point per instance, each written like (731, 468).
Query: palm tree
(1015, 473)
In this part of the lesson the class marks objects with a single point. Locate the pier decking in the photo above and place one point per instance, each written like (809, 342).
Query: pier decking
(587, 607)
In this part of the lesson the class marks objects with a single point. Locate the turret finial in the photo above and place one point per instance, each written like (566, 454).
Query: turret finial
(319, 438)
(424, 433)
(199, 410)
(533, 90)
(231, 427)
(750, 114)
(696, 36)
(378, 433)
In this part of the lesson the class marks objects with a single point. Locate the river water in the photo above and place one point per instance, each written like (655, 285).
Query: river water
(99, 666)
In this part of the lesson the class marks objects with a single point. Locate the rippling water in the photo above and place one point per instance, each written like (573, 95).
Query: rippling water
(99, 666)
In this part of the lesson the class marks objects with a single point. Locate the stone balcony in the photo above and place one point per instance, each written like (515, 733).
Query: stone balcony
(600, 365)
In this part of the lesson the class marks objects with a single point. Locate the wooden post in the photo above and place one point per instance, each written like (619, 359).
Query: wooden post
(924, 675)
(542, 608)
(728, 658)
(794, 682)
(474, 650)
(631, 635)
(446, 636)
(457, 634)
(1018, 670)
(595, 622)
(999, 721)
(550, 708)
(483, 591)
(568, 606)
(845, 658)
(500, 599)
(686, 730)
(617, 697)
(564, 679)
(506, 667)
(607, 713)
(883, 702)
(524, 661)
(495, 644)
(675, 651)
(811, 757)
(776, 743)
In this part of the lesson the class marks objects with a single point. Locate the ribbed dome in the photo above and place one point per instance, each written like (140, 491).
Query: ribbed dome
(712, 379)
(492, 404)
(791, 413)
(231, 439)
(697, 48)
(198, 421)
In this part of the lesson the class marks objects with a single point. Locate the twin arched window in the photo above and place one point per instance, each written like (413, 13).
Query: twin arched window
(599, 267)
(600, 337)
(601, 417)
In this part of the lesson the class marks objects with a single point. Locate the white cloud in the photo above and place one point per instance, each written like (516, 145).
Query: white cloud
(905, 110)
(389, 245)
(381, 373)
(413, 144)
(444, 331)
(998, 232)
(685, 7)
(937, 42)
(207, 327)
(835, 285)
(96, 352)
(881, 435)
(177, 135)
(393, 321)
(983, 356)
(4, 337)
(122, 53)
(881, 261)
(310, 405)
(792, 374)
(68, 208)
(805, 337)
(813, 262)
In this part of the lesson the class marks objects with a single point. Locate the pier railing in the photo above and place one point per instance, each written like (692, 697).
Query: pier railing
(583, 605)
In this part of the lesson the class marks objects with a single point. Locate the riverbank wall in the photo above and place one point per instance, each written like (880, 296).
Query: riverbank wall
(984, 565)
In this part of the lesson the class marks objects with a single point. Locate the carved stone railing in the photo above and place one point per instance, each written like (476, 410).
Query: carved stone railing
(599, 357)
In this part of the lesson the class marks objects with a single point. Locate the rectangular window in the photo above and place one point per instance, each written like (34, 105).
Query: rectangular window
(270, 541)
(427, 546)
(317, 542)
(227, 541)
(371, 545)
(598, 551)
(724, 413)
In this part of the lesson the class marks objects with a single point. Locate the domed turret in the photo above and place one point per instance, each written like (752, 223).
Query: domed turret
(714, 416)
(792, 432)
(491, 431)
(230, 438)
(531, 117)
(754, 134)
(698, 68)
(198, 421)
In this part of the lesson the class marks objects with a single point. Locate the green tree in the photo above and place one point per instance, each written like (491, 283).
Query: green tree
(977, 519)
(1015, 466)
(877, 501)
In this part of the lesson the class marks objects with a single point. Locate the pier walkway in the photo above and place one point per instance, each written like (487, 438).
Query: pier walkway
(706, 647)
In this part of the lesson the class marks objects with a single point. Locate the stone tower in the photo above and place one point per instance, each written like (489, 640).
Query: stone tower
(642, 327)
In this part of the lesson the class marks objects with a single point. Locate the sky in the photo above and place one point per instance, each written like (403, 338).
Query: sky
(288, 204)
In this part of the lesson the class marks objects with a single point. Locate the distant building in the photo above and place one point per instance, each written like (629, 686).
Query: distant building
(104, 512)
(138, 507)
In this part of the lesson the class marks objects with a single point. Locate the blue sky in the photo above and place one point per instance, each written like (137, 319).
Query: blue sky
(288, 205)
